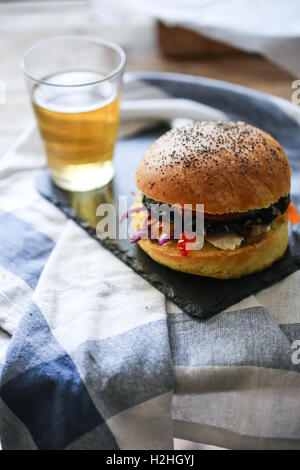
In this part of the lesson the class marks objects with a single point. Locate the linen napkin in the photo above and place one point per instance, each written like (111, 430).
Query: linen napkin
(93, 357)
(270, 28)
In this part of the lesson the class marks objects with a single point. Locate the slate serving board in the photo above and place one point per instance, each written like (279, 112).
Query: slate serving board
(198, 296)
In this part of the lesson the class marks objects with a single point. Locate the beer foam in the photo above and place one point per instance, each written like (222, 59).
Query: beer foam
(69, 97)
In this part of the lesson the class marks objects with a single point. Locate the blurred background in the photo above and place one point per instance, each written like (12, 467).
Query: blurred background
(251, 43)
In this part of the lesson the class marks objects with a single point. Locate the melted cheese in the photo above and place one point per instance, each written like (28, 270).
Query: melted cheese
(225, 241)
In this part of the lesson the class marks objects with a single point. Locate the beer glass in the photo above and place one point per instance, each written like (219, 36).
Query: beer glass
(74, 84)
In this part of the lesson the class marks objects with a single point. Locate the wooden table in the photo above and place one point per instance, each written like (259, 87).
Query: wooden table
(21, 26)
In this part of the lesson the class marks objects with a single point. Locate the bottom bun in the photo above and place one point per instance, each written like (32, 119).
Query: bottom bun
(256, 254)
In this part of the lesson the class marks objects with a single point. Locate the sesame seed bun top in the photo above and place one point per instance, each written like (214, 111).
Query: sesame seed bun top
(227, 166)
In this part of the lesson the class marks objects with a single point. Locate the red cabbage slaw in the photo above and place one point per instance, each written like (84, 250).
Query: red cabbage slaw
(143, 232)
(132, 211)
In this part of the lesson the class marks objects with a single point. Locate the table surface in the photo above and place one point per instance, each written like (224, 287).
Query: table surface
(22, 25)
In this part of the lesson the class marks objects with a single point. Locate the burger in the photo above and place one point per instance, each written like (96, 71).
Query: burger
(241, 176)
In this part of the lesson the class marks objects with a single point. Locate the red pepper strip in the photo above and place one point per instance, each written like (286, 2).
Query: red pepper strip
(293, 214)
(182, 244)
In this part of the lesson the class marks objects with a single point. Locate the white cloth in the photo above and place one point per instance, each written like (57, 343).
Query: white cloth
(269, 27)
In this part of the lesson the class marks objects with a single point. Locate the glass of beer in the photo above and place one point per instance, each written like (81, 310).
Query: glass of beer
(74, 84)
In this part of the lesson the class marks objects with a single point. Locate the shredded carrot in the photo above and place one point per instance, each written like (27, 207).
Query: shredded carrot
(293, 214)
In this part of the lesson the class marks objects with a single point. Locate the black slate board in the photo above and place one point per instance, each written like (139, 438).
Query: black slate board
(198, 296)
